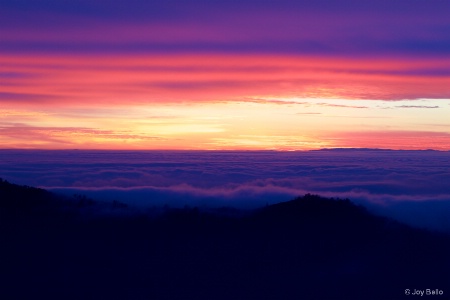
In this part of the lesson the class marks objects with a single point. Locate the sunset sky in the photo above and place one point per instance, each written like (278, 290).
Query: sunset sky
(197, 74)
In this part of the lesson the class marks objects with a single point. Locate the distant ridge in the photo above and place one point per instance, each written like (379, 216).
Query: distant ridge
(376, 149)
(353, 149)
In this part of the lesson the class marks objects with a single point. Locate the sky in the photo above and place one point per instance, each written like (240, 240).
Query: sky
(224, 75)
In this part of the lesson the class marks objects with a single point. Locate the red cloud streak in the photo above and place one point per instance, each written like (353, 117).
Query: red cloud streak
(98, 80)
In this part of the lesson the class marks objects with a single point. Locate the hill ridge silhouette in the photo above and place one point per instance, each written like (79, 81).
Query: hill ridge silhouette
(307, 248)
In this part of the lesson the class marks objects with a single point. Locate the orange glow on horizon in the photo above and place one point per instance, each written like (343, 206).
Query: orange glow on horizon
(222, 102)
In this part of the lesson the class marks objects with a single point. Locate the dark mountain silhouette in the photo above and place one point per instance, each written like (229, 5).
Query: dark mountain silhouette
(54, 247)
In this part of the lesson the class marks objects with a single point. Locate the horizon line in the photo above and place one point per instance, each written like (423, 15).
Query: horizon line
(222, 150)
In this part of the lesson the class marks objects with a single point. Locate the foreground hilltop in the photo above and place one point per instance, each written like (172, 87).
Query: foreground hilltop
(308, 248)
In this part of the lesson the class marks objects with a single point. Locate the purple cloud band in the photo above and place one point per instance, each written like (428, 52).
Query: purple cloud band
(339, 27)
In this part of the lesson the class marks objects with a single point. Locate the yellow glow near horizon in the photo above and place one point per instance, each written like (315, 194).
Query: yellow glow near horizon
(281, 124)
(221, 102)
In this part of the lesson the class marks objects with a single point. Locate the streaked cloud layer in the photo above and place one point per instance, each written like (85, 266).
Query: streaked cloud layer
(324, 27)
(224, 74)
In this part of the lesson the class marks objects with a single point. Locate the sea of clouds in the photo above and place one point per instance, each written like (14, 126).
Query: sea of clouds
(411, 186)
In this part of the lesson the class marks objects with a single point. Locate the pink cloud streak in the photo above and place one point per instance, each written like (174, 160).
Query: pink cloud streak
(87, 80)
